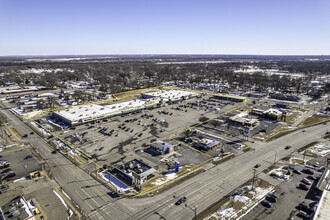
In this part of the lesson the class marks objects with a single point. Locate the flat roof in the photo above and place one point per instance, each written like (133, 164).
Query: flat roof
(324, 182)
(94, 111)
(170, 94)
(322, 212)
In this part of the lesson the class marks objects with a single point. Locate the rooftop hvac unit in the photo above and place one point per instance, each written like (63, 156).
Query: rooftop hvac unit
(16, 213)
(12, 209)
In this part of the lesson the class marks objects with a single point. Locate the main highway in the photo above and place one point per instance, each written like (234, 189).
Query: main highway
(202, 190)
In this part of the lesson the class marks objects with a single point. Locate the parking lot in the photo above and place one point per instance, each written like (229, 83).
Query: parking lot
(114, 139)
(22, 162)
(290, 196)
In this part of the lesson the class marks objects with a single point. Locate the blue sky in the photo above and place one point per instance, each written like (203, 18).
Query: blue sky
(72, 27)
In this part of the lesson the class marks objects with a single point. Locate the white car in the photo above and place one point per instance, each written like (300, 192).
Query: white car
(316, 164)
(306, 181)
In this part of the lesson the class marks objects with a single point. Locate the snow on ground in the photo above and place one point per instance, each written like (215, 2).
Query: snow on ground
(23, 178)
(278, 174)
(26, 207)
(40, 128)
(238, 198)
(62, 145)
(66, 195)
(320, 149)
(168, 176)
(223, 213)
(41, 70)
(247, 204)
(73, 152)
(63, 202)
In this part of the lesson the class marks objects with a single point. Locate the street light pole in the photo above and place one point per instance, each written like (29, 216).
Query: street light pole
(194, 209)
(275, 157)
(254, 175)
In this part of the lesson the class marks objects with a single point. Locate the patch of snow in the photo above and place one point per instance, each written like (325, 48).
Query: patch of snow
(40, 128)
(320, 149)
(66, 206)
(167, 177)
(23, 178)
(26, 207)
(224, 213)
(242, 199)
(66, 195)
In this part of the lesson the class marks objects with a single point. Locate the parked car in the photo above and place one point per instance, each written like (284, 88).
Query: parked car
(303, 214)
(31, 132)
(101, 148)
(6, 171)
(273, 195)
(297, 171)
(305, 208)
(308, 171)
(4, 187)
(316, 164)
(271, 199)
(28, 157)
(303, 186)
(3, 166)
(312, 177)
(54, 151)
(9, 175)
(306, 181)
(181, 200)
(266, 204)
(287, 147)
(25, 135)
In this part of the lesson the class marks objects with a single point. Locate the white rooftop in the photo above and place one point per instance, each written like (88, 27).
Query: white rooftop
(171, 94)
(322, 212)
(95, 111)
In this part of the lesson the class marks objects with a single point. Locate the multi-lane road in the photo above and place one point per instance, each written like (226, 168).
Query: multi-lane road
(202, 190)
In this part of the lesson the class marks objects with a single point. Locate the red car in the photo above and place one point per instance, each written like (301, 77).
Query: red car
(5, 166)
(312, 177)
(308, 171)
(303, 186)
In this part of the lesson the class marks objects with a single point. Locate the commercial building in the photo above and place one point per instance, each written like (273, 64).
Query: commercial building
(87, 113)
(243, 120)
(134, 172)
(19, 208)
(323, 188)
(207, 143)
(169, 95)
(162, 147)
(281, 96)
(229, 98)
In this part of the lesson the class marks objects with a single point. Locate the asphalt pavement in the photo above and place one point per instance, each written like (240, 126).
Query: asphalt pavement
(202, 190)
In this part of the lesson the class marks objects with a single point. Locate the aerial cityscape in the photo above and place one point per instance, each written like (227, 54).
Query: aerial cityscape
(147, 110)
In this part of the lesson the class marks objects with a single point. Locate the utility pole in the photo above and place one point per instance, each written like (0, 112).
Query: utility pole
(194, 209)
(275, 157)
(254, 175)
